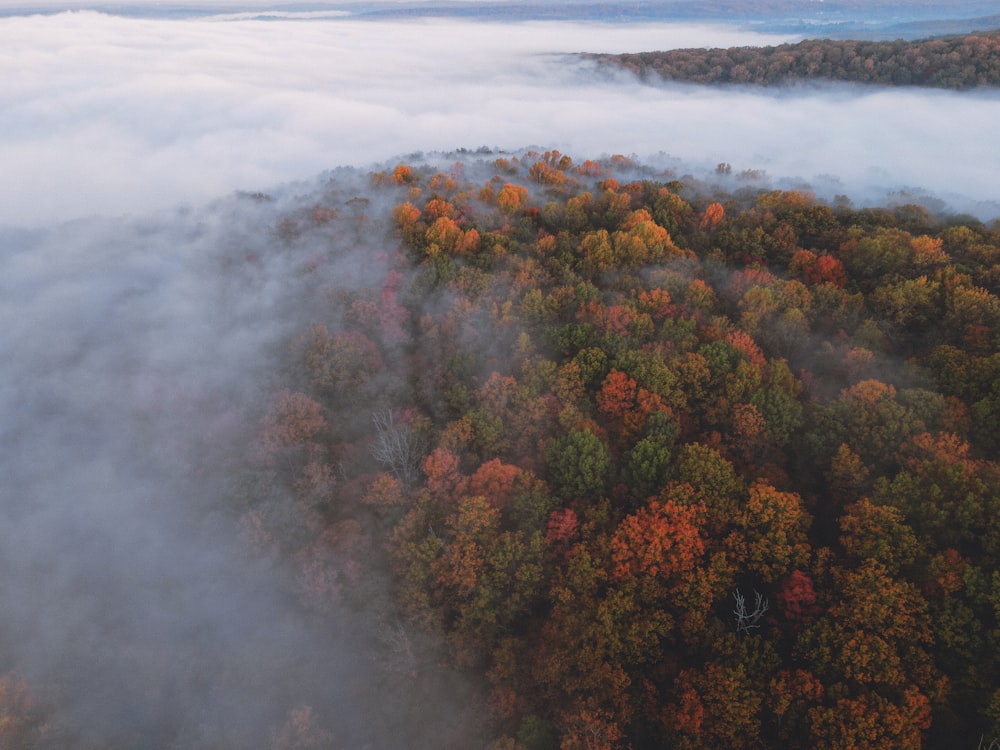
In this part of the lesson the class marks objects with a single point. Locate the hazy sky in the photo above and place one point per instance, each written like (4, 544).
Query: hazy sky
(110, 114)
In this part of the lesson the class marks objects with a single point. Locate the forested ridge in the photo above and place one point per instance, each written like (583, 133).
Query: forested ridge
(658, 464)
(956, 62)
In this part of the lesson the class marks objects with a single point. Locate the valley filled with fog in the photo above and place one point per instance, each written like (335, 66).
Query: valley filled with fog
(112, 115)
(147, 298)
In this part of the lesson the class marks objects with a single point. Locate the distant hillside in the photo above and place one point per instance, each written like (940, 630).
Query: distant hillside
(959, 62)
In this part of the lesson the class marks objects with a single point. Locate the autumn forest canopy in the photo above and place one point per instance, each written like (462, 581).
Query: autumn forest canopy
(667, 467)
(956, 62)
(653, 462)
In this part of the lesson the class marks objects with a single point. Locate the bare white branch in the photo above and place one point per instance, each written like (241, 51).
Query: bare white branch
(747, 621)
(397, 446)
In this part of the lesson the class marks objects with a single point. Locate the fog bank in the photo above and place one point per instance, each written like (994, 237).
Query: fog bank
(136, 358)
(104, 114)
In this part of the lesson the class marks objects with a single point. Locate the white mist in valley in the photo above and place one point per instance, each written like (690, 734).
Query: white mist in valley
(104, 114)
(136, 360)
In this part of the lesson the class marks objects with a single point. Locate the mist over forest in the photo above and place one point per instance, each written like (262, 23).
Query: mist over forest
(213, 291)
(182, 111)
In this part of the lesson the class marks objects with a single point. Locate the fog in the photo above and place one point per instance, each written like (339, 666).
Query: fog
(134, 358)
(111, 115)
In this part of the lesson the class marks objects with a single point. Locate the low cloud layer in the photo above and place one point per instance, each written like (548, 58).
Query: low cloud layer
(109, 115)
(135, 360)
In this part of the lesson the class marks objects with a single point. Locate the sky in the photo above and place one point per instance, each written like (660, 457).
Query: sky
(134, 360)
(112, 115)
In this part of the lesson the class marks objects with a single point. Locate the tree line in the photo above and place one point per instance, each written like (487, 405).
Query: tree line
(956, 62)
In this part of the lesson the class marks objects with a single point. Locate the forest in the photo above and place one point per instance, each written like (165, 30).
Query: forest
(657, 463)
(954, 62)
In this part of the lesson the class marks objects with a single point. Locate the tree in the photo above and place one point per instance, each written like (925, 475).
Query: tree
(771, 533)
(293, 421)
(790, 695)
(717, 705)
(648, 465)
(661, 540)
(870, 420)
(579, 464)
(586, 727)
(617, 395)
(338, 364)
(384, 494)
(797, 598)
(443, 478)
(748, 620)
(711, 220)
(870, 722)
(876, 638)
(495, 481)
(715, 481)
(563, 529)
(878, 532)
(512, 198)
(398, 445)
(942, 493)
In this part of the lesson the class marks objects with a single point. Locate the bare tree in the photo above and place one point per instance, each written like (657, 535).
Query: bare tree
(747, 621)
(397, 446)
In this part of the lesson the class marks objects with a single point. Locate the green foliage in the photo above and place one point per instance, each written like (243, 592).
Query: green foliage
(579, 465)
(959, 62)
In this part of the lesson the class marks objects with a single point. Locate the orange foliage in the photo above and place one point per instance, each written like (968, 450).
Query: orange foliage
(402, 175)
(443, 477)
(512, 198)
(438, 207)
(467, 243)
(494, 480)
(774, 524)
(700, 296)
(545, 174)
(590, 168)
(406, 216)
(793, 686)
(743, 341)
(617, 395)
(660, 540)
(442, 182)
(294, 420)
(459, 568)
(823, 269)
(444, 233)
(711, 220)
(656, 303)
(384, 493)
